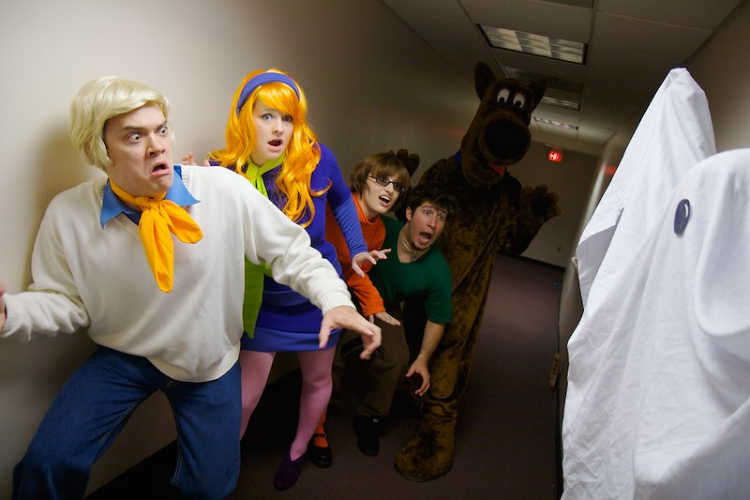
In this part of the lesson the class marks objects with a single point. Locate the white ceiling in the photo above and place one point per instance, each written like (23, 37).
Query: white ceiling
(632, 44)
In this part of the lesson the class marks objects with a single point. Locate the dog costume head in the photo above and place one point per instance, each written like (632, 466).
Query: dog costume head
(499, 134)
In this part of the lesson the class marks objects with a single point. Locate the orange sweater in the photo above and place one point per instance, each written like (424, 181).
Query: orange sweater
(374, 234)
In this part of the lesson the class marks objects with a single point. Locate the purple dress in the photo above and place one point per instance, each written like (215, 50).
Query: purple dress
(287, 321)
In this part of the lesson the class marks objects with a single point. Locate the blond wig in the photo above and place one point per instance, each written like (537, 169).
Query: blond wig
(99, 100)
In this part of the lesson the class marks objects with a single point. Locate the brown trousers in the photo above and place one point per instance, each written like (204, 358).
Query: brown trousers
(373, 382)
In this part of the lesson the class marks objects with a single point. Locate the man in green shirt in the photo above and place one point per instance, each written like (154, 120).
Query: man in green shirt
(414, 269)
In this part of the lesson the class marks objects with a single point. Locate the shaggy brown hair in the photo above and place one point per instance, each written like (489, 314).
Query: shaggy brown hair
(432, 193)
(387, 164)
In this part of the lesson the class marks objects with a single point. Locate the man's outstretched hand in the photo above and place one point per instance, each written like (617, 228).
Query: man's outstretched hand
(348, 318)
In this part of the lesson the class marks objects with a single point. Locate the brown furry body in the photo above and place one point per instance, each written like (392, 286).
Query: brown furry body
(494, 215)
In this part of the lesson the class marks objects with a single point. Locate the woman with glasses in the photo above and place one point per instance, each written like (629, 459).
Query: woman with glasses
(269, 142)
(376, 184)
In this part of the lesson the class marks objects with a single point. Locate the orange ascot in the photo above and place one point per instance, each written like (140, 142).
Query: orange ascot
(159, 217)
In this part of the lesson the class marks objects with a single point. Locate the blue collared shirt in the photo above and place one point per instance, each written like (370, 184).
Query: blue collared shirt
(112, 206)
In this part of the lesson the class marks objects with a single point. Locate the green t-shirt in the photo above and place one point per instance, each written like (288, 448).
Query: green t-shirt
(429, 276)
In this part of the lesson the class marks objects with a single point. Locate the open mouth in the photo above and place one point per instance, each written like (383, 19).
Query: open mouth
(160, 169)
(275, 142)
(424, 237)
(385, 200)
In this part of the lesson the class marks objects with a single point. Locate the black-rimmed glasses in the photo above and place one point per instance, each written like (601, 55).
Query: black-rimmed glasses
(383, 180)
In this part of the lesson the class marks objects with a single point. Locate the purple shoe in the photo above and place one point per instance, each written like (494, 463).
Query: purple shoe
(288, 472)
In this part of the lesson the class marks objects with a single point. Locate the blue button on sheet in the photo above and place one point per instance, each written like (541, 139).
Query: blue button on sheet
(681, 216)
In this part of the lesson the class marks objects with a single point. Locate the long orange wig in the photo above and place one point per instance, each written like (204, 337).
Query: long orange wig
(302, 153)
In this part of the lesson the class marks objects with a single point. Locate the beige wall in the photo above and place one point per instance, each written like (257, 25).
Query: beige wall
(571, 179)
(372, 85)
(721, 68)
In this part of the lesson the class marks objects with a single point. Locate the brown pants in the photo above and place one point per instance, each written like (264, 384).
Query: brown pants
(373, 381)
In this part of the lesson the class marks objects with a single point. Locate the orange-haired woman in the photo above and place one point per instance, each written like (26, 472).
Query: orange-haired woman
(269, 142)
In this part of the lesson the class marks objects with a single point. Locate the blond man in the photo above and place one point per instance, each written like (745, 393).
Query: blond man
(151, 261)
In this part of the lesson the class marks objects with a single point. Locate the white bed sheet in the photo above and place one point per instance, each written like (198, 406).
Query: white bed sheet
(658, 401)
(674, 134)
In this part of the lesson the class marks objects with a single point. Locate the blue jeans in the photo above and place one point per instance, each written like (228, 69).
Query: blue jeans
(92, 407)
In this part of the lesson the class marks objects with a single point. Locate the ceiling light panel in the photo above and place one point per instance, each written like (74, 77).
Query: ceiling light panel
(554, 123)
(561, 102)
(532, 43)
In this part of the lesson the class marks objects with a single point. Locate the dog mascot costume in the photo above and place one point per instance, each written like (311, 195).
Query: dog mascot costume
(494, 215)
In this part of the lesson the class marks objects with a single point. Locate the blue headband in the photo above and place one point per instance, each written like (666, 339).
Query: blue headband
(259, 80)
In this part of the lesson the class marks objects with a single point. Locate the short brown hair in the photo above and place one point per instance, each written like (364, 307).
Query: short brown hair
(431, 193)
(387, 164)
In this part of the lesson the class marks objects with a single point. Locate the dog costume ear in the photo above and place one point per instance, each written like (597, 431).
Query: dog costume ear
(483, 79)
(410, 161)
(538, 89)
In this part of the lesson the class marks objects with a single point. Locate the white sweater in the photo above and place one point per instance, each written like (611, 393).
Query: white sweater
(85, 275)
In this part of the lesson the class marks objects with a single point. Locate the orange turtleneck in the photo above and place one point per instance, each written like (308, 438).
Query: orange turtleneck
(374, 234)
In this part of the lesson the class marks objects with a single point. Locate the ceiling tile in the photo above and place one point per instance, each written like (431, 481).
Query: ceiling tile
(695, 13)
(541, 65)
(625, 49)
(543, 18)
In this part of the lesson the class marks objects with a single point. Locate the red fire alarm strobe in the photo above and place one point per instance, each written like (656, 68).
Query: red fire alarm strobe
(555, 155)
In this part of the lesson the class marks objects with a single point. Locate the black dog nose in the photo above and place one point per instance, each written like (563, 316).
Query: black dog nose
(506, 139)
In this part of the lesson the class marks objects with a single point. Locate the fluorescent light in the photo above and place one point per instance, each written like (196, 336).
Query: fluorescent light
(554, 123)
(531, 43)
(563, 103)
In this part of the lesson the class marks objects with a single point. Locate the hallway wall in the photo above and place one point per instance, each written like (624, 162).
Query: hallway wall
(720, 68)
(360, 66)
(572, 180)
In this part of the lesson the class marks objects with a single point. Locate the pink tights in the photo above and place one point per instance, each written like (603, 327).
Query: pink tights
(316, 390)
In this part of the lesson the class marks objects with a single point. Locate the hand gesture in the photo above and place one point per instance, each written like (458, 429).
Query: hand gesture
(348, 318)
(385, 318)
(371, 257)
(189, 159)
(420, 367)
